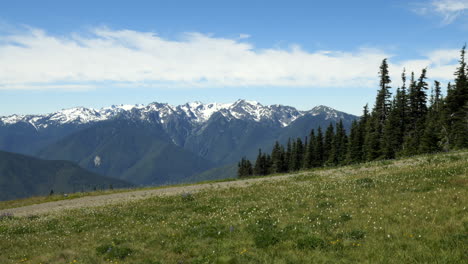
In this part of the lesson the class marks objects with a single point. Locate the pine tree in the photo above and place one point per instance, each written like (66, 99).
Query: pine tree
(297, 155)
(354, 153)
(276, 159)
(363, 126)
(339, 144)
(395, 126)
(343, 144)
(244, 168)
(309, 159)
(293, 157)
(328, 142)
(284, 164)
(305, 154)
(288, 155)
(380, 112)
(319, 149)
(372, 146)
(267, 169)
(391, 133)
(382, 102)
(431, 140)
(259, 164)
(456, 112)
(417, 114)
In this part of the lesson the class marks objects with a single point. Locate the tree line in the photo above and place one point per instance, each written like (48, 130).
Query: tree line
(411, 122)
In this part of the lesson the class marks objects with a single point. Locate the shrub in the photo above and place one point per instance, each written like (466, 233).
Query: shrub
(325, 204)
(356, 234)
(187, 197)
(265, 233)
(6, 216)
(113, 251)
(310, 242)
(365, 182)
(345, 217)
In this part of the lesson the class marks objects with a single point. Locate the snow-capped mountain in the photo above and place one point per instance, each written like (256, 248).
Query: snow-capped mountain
(195, 113)
(159, 142)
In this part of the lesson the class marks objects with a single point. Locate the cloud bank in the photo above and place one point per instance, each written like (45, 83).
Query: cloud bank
(34, 59)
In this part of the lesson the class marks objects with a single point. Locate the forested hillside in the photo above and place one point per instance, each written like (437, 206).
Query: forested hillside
(413, 121)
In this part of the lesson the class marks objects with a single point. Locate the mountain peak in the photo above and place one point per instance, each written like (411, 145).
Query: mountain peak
(245, 102)
(329, 112)
(195, 112)
(322, 108)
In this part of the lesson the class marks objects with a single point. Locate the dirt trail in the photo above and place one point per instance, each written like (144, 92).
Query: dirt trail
(91, 201)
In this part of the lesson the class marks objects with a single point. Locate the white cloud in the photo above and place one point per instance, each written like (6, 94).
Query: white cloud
(37, 60)
(448, 9)
(244, 36)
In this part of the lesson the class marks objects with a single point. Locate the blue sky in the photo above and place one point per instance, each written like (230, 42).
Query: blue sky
(60, 54)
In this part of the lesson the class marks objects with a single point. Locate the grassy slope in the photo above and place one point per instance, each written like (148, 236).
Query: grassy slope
(372, 213)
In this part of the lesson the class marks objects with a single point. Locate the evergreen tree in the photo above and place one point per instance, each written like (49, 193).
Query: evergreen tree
(354, 153)
(372, 146)
(276, 158)
(260, 165)
(392, 132)
(395, 126)
(244, 168)
(248, 168)
(417, 115)
(363, 126)
(297, 155)
(444, 122)
(431, 140)
(319, 149)
(343, 142)
(380, 112)
(293, 157)
(288, 155)
(267, 165)
(339, 144)
(328, 142)
(305, 154)
(309, 159)
(382, 102)
(456, 112)
(284, 164)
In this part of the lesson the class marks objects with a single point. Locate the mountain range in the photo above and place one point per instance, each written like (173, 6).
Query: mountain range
(160, 143)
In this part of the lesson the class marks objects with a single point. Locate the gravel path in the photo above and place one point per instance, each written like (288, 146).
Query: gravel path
(91, 201)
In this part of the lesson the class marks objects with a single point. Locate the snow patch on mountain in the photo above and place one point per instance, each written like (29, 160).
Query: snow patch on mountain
(195, 112)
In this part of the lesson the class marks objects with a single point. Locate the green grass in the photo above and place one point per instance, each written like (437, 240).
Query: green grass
(60, 197)
(55, 197)
(377, 213)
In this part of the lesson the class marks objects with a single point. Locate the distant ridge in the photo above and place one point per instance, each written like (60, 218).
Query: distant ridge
(195, 112)
(23, 176)
(159, 143)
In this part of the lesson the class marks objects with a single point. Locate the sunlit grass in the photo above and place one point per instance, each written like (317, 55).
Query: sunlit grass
(386, 214)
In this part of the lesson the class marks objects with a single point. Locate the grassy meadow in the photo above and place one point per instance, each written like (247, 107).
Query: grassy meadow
(402, 211)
